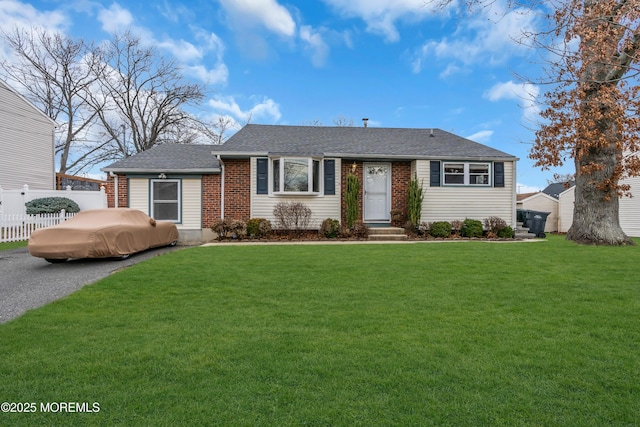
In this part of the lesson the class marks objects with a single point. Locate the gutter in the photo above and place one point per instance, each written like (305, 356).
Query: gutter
(221, 186)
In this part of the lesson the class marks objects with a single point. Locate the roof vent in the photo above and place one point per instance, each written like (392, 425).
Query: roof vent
(364, 122)
(431, 134)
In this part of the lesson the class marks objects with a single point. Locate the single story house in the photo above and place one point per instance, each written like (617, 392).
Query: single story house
(262, 165)
(26, 143)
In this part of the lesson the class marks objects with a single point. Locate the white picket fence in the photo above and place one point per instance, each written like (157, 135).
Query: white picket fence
(18, 227)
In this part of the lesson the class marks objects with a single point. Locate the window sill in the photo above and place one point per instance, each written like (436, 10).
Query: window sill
(295, 194)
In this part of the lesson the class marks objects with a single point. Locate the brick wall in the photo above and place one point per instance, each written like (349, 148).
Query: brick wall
(400, 178)
(237, 189)
(123, 199)
(210, 199)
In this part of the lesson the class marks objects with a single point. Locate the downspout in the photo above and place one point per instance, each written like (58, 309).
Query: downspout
(115, 188)
(221, 186)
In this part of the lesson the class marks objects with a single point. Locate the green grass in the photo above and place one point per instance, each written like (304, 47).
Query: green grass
(460, 334)
(5, 246)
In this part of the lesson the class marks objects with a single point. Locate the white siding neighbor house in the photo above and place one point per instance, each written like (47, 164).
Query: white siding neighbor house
(26, 143)
(629, 213)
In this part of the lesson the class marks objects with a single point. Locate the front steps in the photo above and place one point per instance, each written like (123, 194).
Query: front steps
(387, 234)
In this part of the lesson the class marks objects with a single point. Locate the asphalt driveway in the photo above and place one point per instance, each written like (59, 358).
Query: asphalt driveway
(27, 282)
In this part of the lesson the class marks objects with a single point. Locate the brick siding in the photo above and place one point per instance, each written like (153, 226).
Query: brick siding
(237, 189)
(123, 198)
(210, 199)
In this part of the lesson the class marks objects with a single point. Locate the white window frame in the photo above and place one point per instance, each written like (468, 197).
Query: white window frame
(467, 175)
(178, 202)
(310, 178)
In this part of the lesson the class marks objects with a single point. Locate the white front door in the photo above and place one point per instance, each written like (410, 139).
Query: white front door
(377, 192)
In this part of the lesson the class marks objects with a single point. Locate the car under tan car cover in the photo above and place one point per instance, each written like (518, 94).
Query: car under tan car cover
(102, 233)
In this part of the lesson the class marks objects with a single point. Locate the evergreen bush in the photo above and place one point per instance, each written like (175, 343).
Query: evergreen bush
(51, 205)
(440, 229)
(471, 228)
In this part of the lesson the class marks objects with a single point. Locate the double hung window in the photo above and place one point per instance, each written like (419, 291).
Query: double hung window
(295, 175)
(464, 173)
(165, 199)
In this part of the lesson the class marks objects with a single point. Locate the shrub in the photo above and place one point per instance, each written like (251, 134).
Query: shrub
(423, 228)
(360, 230)
(330, 228)
(493, 224)
(351, 199)
(456, 226)
(229, 228)
(415, 197)
(292, 216)
(51, 205)
(440, 229)
(506, 232)
(258, 227)
(471, 228)
(410, 228)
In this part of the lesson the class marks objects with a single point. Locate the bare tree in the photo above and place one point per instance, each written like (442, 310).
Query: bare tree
(342, 121)
(56, 73)
(592, 109)
(140, 97)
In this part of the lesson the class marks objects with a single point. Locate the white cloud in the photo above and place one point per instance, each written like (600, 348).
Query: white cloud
(268, 13)
(218, 75)
(381, 15)
(525, 93)
(482, 136)
(489, 36)
(264, 110)
(315, 44)
(17, 14)
(115, 19)
(524, 188)
(183, 50)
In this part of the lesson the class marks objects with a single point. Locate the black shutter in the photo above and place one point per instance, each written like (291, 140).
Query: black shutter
(262, 165)
(498, 174)
(434, 180)
(330, 177)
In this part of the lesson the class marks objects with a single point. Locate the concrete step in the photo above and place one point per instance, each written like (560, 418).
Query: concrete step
(387, 234)
(387, 237)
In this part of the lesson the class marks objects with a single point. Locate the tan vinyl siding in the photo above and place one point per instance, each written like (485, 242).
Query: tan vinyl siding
(447, 203)
(191, 203)
(544, 203)
(139, 194)
(26, 144)
(322, 207)
(191, 193)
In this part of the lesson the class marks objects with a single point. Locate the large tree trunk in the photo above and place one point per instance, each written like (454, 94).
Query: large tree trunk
(595, 212)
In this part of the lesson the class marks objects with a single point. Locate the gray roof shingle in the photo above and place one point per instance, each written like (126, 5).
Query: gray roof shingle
(169, 158)
(355, 142)
(346, 142)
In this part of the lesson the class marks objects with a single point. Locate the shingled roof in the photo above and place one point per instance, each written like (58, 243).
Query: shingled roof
(355, 142)
(183, 158)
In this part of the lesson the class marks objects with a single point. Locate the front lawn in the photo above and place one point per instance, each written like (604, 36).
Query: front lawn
(5, 246)
(460, 334)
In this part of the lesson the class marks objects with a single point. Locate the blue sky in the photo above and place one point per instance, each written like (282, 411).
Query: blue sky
(399, 63)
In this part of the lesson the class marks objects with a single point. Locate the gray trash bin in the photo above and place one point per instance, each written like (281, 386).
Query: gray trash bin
(527, 216)
(537, 222)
